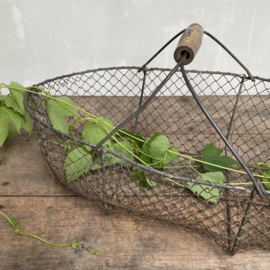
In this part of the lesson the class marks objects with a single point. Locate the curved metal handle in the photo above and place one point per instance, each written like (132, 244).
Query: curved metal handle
(196, 50)
(190, 42)
(231, 54)
(213, 123)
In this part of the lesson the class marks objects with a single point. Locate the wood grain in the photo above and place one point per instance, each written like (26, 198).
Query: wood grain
(29, 192)
(181, 114)
(23, 170)
(126, 242)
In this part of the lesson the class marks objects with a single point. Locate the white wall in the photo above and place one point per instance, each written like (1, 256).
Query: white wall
(41, 39)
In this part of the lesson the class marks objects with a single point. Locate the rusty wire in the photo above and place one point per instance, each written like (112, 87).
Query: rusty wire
(240, 221)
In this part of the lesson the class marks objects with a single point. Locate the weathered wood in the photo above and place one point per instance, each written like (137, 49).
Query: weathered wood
(23, 170)
(123, 240)
(181, 114)
(47, 209)
(126, 242)
(189, 42)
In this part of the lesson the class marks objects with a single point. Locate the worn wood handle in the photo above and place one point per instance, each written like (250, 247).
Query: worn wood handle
(189, 42)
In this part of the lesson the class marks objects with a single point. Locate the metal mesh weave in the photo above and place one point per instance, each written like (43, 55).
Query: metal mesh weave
(240, 107)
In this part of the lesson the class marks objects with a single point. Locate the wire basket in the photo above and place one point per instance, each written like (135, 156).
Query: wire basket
(234, 116)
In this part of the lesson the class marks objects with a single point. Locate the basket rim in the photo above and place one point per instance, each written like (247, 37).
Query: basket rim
(151, 69)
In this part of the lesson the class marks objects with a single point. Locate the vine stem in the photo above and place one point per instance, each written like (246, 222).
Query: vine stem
(87, 119)
(61, 101)
(48, 96)
(224, 168)
(71, 243)
(7, 219)
(180, 167)
(158, 159)
(193, 167)
(175, 182)
(73, 106)
(57, 100)
(43, 240)
(126, 148)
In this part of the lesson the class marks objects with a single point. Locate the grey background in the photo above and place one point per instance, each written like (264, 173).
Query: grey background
(44, 39)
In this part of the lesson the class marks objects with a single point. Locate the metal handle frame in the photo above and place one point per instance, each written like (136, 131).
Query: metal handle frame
(180, 64)
(233, 241)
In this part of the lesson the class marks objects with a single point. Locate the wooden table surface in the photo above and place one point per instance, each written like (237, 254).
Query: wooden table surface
(29, 192)
(44, 208)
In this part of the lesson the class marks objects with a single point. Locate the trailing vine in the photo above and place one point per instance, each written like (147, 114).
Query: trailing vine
(154, 152)
(17, 229)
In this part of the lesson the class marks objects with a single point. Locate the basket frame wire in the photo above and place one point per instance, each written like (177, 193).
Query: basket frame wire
(161, 173)
(258, 188)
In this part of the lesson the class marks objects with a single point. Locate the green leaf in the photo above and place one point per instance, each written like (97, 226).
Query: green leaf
(158, 146)
(146, 149)
(265, 179)
(207, 192)
(103, 121)
(138, 175)
(4, 129)
(15, 100)
(223, 161)
(144, 182)
(144, 152)
(10, 102)
(27, 123)
(211, 150)
(94, 134)
(13, 222)
(134, 145)
(12, 117)
(12, 133)
(111, 159)
(57, 111)
(137, 138)
(211, 155)
(77, 163)
(58, 121)
(147, 183)
(2, 100)
(59, 107)
(8, 115)
(168, 157)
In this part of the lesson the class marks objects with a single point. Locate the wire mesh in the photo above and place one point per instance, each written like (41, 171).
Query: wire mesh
(239, 221)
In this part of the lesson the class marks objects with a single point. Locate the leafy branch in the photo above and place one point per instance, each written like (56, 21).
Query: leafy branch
(153, 152)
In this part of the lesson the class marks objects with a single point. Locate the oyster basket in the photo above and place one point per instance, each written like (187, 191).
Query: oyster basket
(234, 116)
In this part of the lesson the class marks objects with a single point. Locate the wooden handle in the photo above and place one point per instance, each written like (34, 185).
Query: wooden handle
(189, 42)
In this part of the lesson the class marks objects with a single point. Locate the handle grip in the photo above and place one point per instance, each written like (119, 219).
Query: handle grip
(189, 42)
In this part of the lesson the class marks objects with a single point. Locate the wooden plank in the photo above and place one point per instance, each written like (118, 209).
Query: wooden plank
(23, 169)
(126, 242)
(122, 239)
(181, 114)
